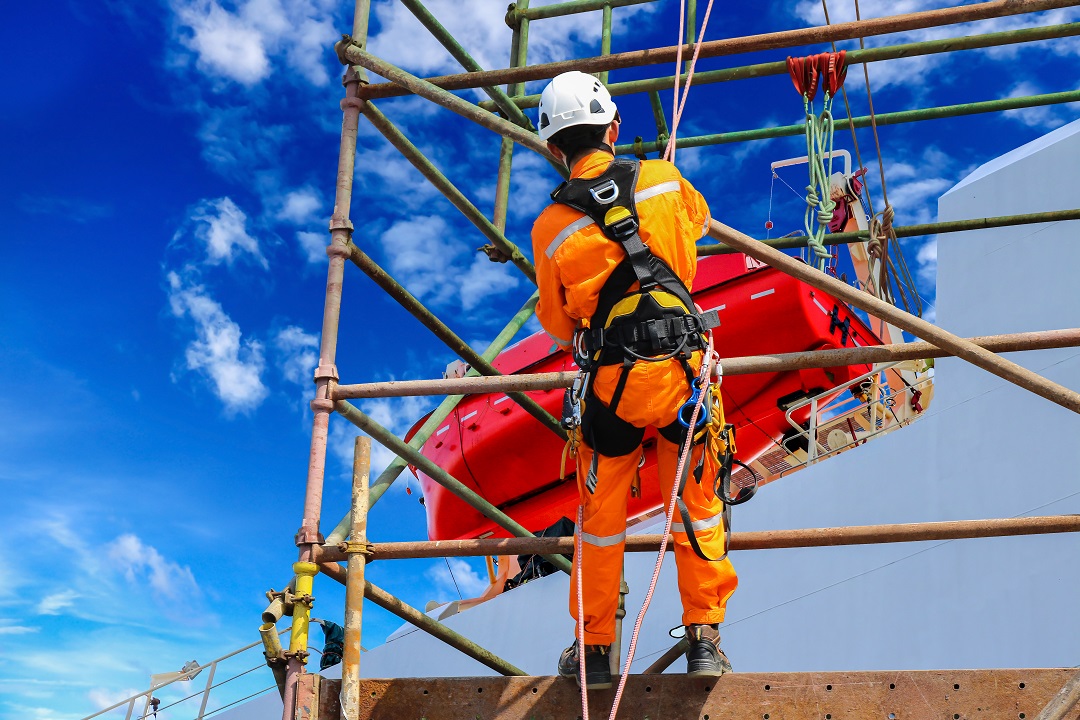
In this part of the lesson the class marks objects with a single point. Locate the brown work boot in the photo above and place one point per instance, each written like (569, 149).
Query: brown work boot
(704, 658)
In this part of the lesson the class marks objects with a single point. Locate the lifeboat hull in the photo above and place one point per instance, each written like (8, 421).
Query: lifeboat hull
(494, 447)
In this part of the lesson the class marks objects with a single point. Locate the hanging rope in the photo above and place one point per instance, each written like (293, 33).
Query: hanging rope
(827, 70)
(683, 466)
(680, 105)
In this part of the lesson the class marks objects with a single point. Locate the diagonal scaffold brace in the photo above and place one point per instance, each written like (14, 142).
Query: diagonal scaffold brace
(961, 348)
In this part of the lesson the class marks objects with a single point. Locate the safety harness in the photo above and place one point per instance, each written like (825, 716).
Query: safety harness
(657, 321)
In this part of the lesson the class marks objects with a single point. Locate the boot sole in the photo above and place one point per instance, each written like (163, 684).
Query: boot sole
(707, 672)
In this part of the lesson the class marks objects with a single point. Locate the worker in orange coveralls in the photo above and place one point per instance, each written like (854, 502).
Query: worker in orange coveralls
(615, 254)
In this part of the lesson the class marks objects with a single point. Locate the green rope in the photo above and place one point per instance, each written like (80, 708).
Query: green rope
(819, 203)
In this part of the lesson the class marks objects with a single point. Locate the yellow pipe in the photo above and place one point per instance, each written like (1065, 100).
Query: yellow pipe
(298, 641)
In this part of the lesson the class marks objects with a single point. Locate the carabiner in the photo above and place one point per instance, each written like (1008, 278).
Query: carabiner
(687, 409)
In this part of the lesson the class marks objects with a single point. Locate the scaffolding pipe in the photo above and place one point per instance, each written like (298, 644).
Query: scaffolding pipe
(853, 57)
(440, 33)
(893, 118)
(543, 12)
(448, 189)
(350, 53)
(734, 46)
(783, 362)
(436, 418)
(354, 588)
(434, 628)
(422, 621)
(392, 443)
(964, 349)
(936, 228)
(275, 656)
(444, 333)
(756, 540)
(326, 372)
(605, 37)
(1061, 705)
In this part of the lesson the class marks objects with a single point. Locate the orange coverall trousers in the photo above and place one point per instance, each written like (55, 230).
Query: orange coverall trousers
(652, 397)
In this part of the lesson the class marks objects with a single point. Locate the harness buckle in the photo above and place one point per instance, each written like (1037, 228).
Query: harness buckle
(624, 228)
(605, 193)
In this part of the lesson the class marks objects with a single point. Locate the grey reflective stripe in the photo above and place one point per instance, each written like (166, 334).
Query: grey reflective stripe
(640, 196)
(567, 232)
(605, 541)
(664, 187)
(699, 525)
(559, 339)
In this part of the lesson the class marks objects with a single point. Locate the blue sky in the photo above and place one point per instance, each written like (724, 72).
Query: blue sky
(167, 183)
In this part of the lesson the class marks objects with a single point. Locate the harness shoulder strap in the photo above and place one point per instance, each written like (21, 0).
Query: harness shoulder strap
(608, 200)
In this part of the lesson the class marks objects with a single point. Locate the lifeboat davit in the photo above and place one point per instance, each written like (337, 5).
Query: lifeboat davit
(504, 454)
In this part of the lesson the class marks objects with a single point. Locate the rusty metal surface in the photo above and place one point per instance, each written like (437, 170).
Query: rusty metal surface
(310, 687)
(754, 540)
(731, 46)
(886, 695)
(781, 362)
(961, 348)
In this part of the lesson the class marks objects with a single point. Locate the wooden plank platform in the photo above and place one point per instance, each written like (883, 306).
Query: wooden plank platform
(880, 695)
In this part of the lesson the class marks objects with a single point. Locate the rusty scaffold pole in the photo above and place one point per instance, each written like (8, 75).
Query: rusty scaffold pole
(719, 48)
(355, 587)
(853, 57)
(308, 537)
(753, 540)
(782, 362)
(964, 349)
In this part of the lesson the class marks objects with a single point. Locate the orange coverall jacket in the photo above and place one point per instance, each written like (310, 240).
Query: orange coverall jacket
(573, 260)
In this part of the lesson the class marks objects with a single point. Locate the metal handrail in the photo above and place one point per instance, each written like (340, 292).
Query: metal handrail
(811, 432)
(205, 692)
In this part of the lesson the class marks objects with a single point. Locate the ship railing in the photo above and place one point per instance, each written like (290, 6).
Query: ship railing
(186, 675)
(878, 409)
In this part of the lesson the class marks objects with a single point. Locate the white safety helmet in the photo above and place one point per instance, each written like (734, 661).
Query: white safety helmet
(574, 98)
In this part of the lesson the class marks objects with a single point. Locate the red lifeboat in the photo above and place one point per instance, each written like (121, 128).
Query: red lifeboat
(504, 454)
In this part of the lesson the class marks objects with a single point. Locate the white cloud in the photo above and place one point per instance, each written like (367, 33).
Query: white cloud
(930, 69)
(299, 206)
(138, 561)
(480, 27)
(222, 226)
(1045, 117)
(56, 602)
(468, 581)
(17, 630)
(313, 246)
(914, 185)
(483, 279)
(232, 364)
(247, 44)
(395, 414)
(425, 255)
(927, 260)
(298, 353)
(101, 698)
(224, 44)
